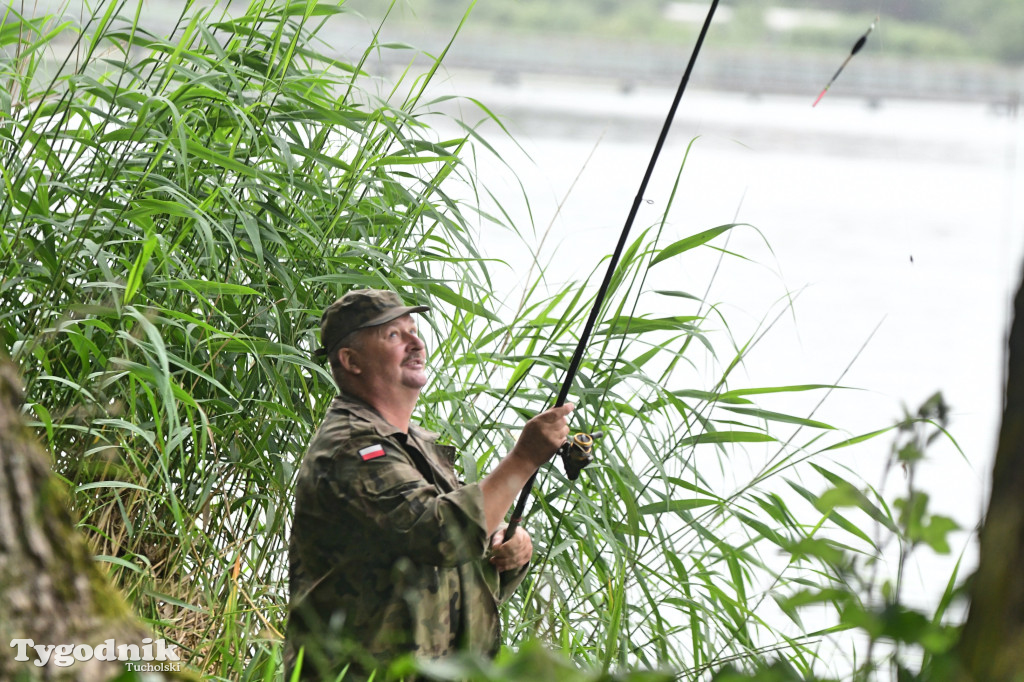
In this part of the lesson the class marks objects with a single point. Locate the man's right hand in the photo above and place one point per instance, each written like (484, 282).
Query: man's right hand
(543, 435)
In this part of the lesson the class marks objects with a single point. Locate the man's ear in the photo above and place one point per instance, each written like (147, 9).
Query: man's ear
(349, 360)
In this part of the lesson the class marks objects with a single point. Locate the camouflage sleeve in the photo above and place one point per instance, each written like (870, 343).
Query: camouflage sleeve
(510, 581)
(405, 512)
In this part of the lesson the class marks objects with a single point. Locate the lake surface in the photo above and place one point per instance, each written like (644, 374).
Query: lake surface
(896, 226)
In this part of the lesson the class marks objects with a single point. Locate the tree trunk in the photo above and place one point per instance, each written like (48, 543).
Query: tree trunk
(51, 590)
(991, 647)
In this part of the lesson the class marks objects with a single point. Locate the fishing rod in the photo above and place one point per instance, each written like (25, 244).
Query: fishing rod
(575, 453)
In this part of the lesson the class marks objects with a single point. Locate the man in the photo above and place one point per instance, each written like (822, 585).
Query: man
(389, 553)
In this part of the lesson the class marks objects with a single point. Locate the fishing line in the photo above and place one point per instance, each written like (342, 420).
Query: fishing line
(577, 357)
(555, 532)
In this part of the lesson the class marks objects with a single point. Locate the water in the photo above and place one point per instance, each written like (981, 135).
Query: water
(896, 226)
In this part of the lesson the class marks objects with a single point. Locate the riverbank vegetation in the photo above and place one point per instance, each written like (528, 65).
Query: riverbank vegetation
(984, 30)
(177, 212)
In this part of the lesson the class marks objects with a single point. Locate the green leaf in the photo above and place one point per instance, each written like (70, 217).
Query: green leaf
(118, 561)
(819, 548)
(936, 533)
(135, 274)
(669, 506)
(406, 160)
(778, 417)
(858, 439)
(520, 371)
(678, 294)
(803, 598)
(206, 287)
(444, 293)
(642, 325)
(161, 597)
(726, 437)
(742, 392)
(114, 485)
(690, 242)
(310, 9)
(859, 499)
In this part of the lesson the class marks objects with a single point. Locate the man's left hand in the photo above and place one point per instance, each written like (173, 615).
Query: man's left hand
(508, 556)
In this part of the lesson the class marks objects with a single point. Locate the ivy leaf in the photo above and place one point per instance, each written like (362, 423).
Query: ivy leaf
(936, 533)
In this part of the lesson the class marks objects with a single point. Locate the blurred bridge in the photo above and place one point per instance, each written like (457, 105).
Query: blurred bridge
(754, 71)
(507, 57)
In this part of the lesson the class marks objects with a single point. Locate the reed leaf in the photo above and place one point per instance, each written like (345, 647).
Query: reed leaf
(179, 209)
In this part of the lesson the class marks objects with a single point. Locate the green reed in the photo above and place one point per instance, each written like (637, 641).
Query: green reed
(182, 200)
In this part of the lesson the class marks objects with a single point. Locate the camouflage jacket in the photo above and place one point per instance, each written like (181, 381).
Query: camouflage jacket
(387, 550)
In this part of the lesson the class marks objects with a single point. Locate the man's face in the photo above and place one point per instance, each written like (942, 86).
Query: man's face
(393, 355)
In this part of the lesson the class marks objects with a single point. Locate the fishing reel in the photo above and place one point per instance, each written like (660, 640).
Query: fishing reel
(575, 453)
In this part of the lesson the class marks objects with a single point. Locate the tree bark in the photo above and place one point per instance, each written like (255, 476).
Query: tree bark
(51, 589)
(991, 647)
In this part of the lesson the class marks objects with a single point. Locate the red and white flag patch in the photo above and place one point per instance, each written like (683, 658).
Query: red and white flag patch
(372, 452)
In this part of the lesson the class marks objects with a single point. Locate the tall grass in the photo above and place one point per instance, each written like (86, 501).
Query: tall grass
(180, 204)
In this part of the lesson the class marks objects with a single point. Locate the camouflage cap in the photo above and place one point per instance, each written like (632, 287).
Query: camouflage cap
(357, 310)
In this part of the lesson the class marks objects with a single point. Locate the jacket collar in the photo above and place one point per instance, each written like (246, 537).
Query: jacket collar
(353, 405)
